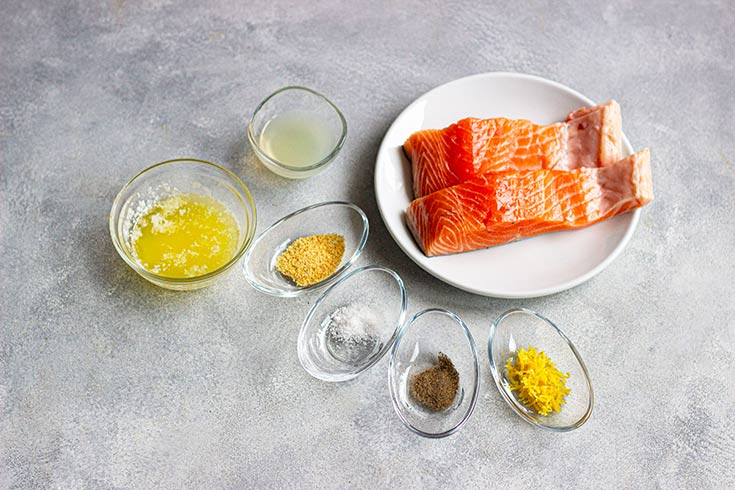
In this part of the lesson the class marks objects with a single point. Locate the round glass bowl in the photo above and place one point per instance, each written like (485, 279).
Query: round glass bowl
(306, 121)
(416, 349)
(338, 217)
(353, 324)
(181, 176)
(518, 328)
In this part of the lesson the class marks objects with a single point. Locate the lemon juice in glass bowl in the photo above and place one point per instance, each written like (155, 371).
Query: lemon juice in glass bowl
(297, 132)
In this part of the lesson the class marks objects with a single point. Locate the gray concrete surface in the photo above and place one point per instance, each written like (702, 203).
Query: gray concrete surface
(108, 382)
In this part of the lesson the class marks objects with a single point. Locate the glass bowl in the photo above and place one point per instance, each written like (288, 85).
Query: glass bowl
(304, 117)
(520, 327)
(417, 347)
(353, 324)
(187, 176)
(339, 217)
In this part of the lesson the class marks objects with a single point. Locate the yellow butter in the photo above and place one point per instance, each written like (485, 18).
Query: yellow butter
(185, 235)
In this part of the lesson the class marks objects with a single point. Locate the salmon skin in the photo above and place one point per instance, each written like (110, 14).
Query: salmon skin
(590, 137)
(501, 207)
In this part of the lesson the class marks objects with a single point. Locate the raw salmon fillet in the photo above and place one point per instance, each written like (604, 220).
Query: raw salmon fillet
(590, 137)
(501, 207)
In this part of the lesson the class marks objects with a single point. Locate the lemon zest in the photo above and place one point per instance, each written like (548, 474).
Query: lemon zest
(540, 385)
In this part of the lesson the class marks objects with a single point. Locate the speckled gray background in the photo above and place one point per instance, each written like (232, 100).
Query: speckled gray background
(108, 382)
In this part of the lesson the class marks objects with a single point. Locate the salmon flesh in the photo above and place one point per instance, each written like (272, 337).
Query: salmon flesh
(590, 137)
(501, 207)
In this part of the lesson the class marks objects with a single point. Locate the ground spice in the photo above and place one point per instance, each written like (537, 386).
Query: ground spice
(435, 388)
(311, 259)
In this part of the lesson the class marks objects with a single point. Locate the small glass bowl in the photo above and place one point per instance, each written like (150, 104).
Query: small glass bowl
(339, 217)
(297, 100)
(519, 328)
(353, 324)
(187, 176)
(419, 343)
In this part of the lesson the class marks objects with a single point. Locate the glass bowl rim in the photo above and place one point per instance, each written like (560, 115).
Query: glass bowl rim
(335, 275)
(388, 345)
(511, 400)
(249, 235)
(324, 161)
(475, 387)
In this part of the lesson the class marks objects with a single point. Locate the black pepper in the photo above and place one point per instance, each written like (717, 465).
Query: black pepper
(435, 388)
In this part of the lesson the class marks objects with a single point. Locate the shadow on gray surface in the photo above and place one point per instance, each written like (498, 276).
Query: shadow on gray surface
(242, 160)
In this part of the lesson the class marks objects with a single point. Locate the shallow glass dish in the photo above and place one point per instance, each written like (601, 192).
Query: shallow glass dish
(304, 101)
(181, 176)
(352, 324)
(339, 217)
(417, 347)
(519, 328)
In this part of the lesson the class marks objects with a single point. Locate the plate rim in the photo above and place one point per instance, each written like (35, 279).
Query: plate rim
(535, 293)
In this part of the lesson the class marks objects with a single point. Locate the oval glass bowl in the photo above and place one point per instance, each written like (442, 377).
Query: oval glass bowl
(343, 218)
(180, 176)
(306, 104)
(353, 324)
(519, 328)
(417, 347)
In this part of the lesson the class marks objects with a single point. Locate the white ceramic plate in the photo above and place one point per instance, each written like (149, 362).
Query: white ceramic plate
(537, 266)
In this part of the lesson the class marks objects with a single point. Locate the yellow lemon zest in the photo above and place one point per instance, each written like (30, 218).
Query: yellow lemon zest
(539, 384)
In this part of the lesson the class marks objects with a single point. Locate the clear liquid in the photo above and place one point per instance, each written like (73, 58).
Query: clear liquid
(297, 138)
